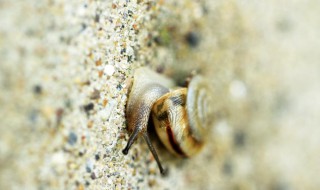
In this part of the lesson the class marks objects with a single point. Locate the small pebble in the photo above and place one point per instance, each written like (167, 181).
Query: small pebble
(93, 175)
(72, 138)
(97, 18)
(88, 107)
(228, 168)
(151, 182)
(90, 124)
(109, 70)
(238, 89)
(239, 139)
(119, 86)
(37, 89)
(95, 94)
(105, 113)
(130, 13)
(33, 115)
(59, 114)
(81, 153)
(98, 62)
(80, 187)
(89, 166)
(129, 51)
(222, 128)
(192, 39)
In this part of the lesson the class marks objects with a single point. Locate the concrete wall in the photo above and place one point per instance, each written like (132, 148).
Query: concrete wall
(66, 67)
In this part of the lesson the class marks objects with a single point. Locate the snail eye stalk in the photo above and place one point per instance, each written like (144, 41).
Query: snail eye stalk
(154, 153)
(131, 140)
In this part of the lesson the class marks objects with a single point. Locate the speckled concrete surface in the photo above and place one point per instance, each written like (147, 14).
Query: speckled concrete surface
(66, 68)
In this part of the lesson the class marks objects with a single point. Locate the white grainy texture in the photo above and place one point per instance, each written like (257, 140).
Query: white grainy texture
(66, 69)
(109, 70)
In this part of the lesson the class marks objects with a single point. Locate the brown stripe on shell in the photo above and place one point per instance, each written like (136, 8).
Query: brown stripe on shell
(178, 100)
(173, 143)
(163, 116)
(159, 106)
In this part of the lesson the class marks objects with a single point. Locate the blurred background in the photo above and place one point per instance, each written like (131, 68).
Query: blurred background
(66, 67)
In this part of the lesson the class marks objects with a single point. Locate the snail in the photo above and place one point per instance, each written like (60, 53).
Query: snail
(180, 116)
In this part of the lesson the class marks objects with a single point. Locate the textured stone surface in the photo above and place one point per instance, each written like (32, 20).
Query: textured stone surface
(66, 67)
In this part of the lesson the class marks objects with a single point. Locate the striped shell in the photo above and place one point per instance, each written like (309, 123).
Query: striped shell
(180, 118)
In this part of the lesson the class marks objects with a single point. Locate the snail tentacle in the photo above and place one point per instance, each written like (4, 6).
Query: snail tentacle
(154, 152)
(147, 88)
(131, 140)
(138, 112)
(139, 122)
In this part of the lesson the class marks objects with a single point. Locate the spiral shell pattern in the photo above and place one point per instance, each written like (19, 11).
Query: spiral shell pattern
(180, 118)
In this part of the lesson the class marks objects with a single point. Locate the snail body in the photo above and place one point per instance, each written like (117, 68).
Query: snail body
(179, 116)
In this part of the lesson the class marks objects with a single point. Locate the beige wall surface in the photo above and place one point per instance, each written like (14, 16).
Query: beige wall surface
(66, 68)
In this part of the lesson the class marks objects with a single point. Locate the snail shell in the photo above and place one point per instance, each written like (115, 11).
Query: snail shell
(180, 116)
